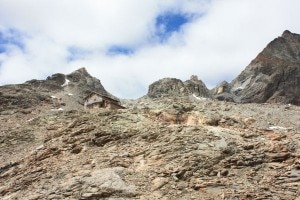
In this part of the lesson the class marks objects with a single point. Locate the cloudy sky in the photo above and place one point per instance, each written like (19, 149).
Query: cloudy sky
(128, 44)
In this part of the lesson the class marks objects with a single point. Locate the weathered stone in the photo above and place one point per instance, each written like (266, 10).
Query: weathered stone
(76, 149)
(158, 182)
(83, 130)
(224, 172)
(278, 157)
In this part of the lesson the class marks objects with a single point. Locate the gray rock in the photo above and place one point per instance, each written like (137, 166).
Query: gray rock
(108, 180)
(167, 86)
(174, 87)
(197, 87)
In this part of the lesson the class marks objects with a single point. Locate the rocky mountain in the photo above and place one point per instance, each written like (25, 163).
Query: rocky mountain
(175, 87)
(273, 76)
(170, 144)
(71, 88)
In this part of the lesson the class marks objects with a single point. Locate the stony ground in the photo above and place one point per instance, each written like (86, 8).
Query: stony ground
(184, 148)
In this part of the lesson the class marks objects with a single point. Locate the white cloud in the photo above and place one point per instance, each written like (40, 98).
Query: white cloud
(216, 46)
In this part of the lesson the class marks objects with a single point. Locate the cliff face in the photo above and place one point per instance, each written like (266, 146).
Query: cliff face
(274, 75)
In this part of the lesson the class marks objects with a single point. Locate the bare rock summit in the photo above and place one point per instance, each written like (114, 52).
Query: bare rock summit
(174, 87)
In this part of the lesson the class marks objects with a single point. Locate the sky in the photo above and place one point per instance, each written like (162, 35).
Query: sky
(129, 44)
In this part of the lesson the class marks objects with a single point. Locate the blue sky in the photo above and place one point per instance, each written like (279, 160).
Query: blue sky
(118, 49)
(167, 23)
(130, 44)
(10, 37)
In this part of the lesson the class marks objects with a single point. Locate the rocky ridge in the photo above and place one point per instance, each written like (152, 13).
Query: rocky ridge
(71, 88)
(273, 76)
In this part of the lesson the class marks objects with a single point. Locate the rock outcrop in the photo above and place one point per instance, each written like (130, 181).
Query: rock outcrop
(197, 87)
(273, 76)
(165, 87)
(175, 87)
(222, 92)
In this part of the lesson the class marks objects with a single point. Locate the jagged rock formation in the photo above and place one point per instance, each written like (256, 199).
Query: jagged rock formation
(71, 88)
(175, 87)
(273, 76)
(197, 87)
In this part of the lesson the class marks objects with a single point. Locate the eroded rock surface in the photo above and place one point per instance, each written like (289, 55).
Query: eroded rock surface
(161, 148)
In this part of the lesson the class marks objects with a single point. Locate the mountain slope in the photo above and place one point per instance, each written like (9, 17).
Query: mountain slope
(161, 148)
(274, 75)
(71, 88)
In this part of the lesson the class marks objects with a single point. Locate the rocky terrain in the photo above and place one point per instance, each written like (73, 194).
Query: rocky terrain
(177, 142)
(167, 148)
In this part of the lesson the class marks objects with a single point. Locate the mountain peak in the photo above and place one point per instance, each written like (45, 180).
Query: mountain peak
(81, 70)
(285, 33)
(194, 78)
(290, 36)
(273, 76)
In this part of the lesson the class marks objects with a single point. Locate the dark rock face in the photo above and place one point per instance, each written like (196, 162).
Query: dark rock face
(273, 76)
(173, 86)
